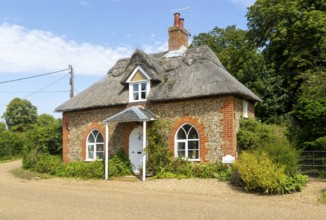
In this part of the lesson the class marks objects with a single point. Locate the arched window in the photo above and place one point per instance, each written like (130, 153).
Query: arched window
(95, 146)
(187, 143)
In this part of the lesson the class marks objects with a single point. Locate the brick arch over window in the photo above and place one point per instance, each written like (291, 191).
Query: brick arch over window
(194, 121)
(93, 126)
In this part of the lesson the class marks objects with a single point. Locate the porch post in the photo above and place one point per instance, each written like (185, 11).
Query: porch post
(144, 153)
(106, 150)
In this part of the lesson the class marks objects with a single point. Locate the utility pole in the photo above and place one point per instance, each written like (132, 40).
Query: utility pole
(71, 81)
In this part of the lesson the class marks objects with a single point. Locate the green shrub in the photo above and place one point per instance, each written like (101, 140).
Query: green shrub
(119, 167)
(159, 154)
(11, 144)
(295, 183)
(259, 173)
(48, 164)
(271, 139)
(181, 168)
(84, 170)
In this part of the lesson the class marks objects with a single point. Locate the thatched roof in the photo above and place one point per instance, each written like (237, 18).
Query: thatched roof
(198, 73)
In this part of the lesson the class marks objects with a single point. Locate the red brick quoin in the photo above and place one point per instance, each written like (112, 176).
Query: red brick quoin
(228, 124)
(194, 121)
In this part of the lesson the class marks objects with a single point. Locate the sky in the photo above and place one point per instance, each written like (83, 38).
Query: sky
(46, 36)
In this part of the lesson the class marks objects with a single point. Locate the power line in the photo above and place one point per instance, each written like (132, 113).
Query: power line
(30, 77)
(38, 91)
(59, 91)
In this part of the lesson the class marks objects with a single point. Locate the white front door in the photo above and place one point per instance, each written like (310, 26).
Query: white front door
(136, 149)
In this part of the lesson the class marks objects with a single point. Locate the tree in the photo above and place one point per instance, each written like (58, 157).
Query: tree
(245, 62)
(309, 113)
(292, 35)
(20, 115)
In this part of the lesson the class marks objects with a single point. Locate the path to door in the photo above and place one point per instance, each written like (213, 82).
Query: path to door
(159, 199)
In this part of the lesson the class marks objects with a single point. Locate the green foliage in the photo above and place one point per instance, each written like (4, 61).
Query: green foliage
(181, 169)
(295, 183)
(20, 115)
(11, 144)
(119, 164)
(292, 35)
(81, 169)
(323, 197)
(159, 154)
(49, 164)
(307, 127)
(271, 139)
(44, 137)
(259, 173)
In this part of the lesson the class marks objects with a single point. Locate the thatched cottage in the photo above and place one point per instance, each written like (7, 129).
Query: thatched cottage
(189, 87)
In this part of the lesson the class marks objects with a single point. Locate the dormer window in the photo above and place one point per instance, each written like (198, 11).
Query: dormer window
(139, 85)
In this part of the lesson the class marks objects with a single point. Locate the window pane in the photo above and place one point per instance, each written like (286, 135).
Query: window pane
(187, 127)
(91, 138)
(99, 147)
(143, 95)
(99, 155)
(136, 97)
(135, 87)
(90, 147)
(193, 134)
(95, 132)
(181, 153)
(181, 134)
(143, 86)
(193, 154)
(99, 138)
(90, 155)
(193, 145)
(181, 146)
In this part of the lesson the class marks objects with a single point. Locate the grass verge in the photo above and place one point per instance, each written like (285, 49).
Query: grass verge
(323, 197)
(9, 160)
(29, 175)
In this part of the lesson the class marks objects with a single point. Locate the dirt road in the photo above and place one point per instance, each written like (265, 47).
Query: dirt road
(159, 199)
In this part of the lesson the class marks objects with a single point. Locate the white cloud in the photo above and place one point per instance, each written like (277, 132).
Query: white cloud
(84, 3)
(245, 3)
(37, 51)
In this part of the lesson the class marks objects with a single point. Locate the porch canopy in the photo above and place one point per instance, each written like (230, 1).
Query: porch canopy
(132, 114)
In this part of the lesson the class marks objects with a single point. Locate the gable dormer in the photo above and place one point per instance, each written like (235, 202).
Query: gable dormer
(139, 85)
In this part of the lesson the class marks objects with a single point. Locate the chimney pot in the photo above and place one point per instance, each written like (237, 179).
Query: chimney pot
(181, 22)
(178, 36)
(177, 19)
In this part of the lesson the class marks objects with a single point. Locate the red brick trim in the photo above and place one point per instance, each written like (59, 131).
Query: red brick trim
(194, 121)
(65, 140)
(228, 124)
(94, 125)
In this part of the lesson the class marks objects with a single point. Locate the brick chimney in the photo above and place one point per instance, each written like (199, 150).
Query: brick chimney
(178, 35)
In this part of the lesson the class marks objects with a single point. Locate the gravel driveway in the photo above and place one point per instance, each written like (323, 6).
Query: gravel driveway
(156, 199)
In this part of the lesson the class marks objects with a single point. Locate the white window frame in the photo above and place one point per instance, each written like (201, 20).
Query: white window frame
(245, 109)
(186, 141)
(131, 90)
(94, 146)
(132, 83)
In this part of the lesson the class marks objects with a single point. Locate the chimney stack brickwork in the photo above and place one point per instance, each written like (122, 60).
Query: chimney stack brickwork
(178, 35)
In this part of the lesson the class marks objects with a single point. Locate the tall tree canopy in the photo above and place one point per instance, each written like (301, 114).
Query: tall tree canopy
(244, 61)
(292, 35)
(20, 115)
